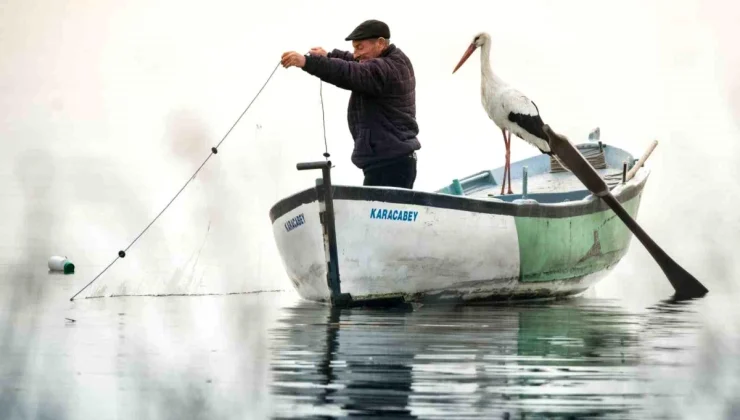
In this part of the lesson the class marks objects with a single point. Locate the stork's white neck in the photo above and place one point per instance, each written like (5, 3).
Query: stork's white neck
(490, 81)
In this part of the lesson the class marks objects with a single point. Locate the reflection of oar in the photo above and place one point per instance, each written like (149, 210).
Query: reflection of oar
(683, 282)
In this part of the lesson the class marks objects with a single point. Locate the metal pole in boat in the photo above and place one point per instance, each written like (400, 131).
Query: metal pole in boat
(333, 276)
(524, 182)
(624, 171)
(327, 220)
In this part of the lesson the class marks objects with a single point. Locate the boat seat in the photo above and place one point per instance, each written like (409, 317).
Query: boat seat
(594, 155)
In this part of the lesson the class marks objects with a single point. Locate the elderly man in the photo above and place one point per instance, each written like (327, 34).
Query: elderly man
(382, 106)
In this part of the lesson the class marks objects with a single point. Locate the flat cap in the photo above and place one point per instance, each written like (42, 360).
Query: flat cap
(369, 29)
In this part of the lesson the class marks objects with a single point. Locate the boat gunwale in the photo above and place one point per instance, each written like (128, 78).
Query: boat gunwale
(518, 208)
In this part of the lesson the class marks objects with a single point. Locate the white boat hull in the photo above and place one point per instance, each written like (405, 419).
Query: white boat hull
(421, 246)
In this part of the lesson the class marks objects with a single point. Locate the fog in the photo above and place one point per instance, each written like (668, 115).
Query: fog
(108, 108)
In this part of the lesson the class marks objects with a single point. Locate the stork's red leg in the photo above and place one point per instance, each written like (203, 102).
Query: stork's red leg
(506, 167)
(508, 158)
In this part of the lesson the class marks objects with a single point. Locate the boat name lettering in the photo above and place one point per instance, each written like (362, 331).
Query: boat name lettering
(295, 222)
(390, 214)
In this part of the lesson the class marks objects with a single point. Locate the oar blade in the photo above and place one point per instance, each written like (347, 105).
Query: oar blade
(685, 285)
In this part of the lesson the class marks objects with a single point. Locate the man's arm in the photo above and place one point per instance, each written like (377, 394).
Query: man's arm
(343, 55)
(368, 77)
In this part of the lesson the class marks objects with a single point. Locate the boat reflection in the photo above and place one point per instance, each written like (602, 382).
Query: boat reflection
(579, 357)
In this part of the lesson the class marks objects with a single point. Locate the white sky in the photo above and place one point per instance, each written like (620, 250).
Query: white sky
(106, 108)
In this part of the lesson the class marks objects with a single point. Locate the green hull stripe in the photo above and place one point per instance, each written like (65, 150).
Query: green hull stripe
(562, 248)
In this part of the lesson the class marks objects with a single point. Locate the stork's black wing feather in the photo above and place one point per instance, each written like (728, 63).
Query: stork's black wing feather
(532, 123)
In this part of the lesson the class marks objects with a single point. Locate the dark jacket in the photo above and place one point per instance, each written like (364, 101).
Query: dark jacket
(382, 107)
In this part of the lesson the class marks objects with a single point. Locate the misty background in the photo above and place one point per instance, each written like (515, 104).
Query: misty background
(108, 108)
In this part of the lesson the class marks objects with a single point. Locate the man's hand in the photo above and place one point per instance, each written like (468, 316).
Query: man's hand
(318, 51)
(293, 58)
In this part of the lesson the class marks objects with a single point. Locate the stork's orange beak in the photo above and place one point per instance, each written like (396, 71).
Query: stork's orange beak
(465, 56)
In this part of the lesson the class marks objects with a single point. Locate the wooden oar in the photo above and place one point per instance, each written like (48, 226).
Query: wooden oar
(642, 160)
(685, 285)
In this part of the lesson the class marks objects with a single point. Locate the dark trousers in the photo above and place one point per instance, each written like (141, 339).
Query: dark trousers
(399, 172)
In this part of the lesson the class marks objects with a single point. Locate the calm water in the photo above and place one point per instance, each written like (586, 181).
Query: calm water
(272, 355)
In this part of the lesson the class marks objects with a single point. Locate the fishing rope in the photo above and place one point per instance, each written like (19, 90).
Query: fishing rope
(323, 119)
(214, 150)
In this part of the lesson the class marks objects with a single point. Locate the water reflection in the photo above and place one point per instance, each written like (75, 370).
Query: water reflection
(583, 357)
(260, 355)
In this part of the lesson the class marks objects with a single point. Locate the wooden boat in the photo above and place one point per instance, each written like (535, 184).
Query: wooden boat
(463, 242)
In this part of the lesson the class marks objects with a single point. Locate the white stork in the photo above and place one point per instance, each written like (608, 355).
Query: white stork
(509, 109)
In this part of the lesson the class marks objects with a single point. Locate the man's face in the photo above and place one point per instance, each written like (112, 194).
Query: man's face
(367, 49)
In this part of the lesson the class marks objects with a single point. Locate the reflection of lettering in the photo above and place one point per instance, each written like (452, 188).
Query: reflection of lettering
(295, 222)
(391, 214)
